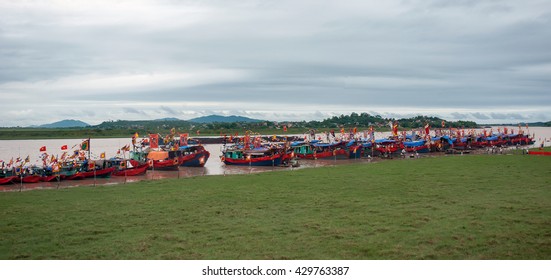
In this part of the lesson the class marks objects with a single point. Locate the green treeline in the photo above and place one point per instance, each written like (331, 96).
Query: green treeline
(125, 128)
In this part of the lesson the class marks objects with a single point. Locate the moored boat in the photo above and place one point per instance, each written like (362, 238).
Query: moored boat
(419, 146)
(253, 157)
(132, 171)
(193, 156)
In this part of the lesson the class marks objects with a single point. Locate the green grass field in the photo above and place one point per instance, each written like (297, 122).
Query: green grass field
(460, 207)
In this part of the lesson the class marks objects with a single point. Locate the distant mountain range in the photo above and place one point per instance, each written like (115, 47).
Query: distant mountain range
(65, 124)
(223, 119)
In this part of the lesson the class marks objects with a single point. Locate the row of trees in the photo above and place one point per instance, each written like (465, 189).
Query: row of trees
(363, 120)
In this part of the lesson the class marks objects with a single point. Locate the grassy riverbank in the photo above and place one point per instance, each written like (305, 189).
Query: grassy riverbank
(462, 207)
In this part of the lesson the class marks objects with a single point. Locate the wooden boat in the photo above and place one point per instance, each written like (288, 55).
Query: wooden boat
(133, 171)
(317, 150)
(419, 146)
(193, 156)
(388, 147)
(253, 157)
(161, 160)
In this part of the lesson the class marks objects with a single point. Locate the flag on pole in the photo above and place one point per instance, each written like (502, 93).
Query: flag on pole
(43, 148)
(64, 147)
(154, 141)
(102, 155)
(134, 139)
(427, 129)
(85, 146)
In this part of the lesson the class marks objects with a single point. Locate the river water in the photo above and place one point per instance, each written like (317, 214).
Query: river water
(214, 166)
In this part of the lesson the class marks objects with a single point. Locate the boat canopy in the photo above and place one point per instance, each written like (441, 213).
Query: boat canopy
(492, 138)
(414, 143)
(448, 139)
(157, 155)
(350, 143)
(298, 143)
(333, 144)
(381, 141)
(367, 144)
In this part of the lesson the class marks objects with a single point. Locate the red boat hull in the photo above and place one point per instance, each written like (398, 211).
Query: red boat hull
(8, 180)
(31, 179)
(135, 171)
(103, 173)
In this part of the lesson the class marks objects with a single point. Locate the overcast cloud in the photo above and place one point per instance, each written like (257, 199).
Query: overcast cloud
(487, 61)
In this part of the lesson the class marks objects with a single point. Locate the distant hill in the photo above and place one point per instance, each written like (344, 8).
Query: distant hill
(65, 124)
(223, 119)
(168, 119)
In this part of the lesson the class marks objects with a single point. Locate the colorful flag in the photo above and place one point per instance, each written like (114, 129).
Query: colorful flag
(427, 129)
(284, 128)
(85, 146)
(64, 147)
(443, 124)
(43, 148)
(154, 141)
(395, 129)
(102, 155)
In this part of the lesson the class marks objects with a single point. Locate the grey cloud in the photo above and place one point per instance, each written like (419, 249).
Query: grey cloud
(129, 110)
(453, 56)
(480, 116)
(459, 116)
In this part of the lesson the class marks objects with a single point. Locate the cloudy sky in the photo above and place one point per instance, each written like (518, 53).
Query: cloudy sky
(487, 61)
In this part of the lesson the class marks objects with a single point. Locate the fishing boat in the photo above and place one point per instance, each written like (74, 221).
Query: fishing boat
(419, 146)
(193, 156)
(260, 156)
(162, 160)
(388, 147)
(317, 150)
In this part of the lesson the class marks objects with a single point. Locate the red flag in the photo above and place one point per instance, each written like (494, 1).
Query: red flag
(43, 148)
(355, 130)
(427, 129)
(285, 128)
(64, 147)
(395, 129)
(154, 141)
(443, 124)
